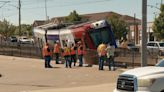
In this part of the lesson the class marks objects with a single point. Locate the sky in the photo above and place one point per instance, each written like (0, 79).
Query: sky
(35, 9)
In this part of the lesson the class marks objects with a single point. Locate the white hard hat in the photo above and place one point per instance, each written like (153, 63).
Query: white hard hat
(57, 41)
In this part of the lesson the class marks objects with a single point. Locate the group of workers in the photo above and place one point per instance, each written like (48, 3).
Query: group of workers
(106, 53)
(68, 52)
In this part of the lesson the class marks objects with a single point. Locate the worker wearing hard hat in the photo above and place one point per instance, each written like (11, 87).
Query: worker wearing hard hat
(67, 53)
(47, 55)
(80, 53)
(57, 51)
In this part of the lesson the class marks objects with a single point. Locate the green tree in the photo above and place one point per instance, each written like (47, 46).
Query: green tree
(158, 26)
(26, 30)
(6, 29)
(119, 26)
(73, 17)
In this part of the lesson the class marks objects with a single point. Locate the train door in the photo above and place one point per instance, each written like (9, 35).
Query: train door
(66, 37)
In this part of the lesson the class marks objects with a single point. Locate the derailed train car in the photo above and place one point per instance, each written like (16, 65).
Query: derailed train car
(91, 34)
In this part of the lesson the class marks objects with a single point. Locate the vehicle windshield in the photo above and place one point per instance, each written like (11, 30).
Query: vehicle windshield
(161, 63)
(13, 37)
(24, 38)
(161, 44)
(130, 44)
(99, 36)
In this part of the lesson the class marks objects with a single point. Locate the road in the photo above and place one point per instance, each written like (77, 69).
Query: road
(29, 75)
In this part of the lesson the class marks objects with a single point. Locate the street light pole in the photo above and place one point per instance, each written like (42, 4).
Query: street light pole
(144, 36)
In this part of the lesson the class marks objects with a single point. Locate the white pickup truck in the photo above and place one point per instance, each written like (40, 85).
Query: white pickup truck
(144, 79)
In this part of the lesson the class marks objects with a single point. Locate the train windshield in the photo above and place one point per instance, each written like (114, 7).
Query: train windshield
(99, 36)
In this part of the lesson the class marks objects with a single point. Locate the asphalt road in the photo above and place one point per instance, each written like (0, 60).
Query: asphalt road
(29, 75)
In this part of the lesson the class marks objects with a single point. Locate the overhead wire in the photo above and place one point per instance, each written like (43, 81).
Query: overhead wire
(68, 4)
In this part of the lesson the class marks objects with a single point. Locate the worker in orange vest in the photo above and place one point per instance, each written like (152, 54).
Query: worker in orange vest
(73, 54)
(67, 54)
(57, 51)
(47, 55)
(102, 55)
(80, 54)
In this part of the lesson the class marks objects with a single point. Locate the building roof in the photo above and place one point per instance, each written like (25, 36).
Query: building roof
(38, 23)
(99, 16)
(93, 17)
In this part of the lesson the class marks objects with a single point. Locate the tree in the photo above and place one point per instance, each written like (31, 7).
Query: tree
(158, 26)
(26, 30)
(119, 27)
(73, 17)
(6, 29)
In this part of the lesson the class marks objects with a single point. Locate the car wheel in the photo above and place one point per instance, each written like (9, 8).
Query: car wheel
(162, 91)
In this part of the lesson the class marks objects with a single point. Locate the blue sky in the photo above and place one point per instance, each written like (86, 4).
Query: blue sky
(35, 9)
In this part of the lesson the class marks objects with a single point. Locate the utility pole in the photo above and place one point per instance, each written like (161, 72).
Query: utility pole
(134, 29)
(19, 7)
(144, 34)
(46, 9)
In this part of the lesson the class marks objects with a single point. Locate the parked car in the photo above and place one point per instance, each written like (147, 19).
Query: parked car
(144, 79)
(131, 46)
(25, 40)
(155, 47)
(12, 39)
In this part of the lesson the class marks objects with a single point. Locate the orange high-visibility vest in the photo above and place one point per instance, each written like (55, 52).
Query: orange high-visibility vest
(66, 51)
(56, 48)
(73, 51)
(45, 51)
(101, 50)
(79, 51)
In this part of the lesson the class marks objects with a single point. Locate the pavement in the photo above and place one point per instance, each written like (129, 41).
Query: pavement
(29, 75)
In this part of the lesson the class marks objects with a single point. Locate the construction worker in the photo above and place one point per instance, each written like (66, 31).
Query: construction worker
(57, 51)
(67, 56)
(124, 47)
(102, 55)
(73, 54)
(80, 54)
(47, 55)
(110, 55)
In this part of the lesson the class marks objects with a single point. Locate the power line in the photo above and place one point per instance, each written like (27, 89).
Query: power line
(66, 5)
(4, 2)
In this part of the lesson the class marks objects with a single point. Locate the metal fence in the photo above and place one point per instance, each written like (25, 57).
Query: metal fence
(32, 50)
